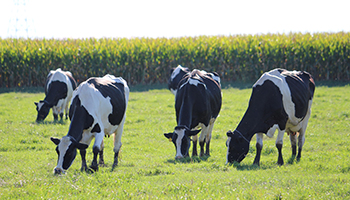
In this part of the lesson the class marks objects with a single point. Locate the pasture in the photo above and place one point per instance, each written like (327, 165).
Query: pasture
(147, 168)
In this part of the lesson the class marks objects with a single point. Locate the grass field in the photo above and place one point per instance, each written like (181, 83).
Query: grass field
(147, 169)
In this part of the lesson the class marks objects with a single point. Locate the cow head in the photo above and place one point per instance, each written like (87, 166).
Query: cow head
(176, 75)
(181, 139)
(237, 147)
(66, 150)
(43, 108)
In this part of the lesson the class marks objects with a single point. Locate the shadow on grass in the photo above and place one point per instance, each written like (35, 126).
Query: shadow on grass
(63, 122)
(195, 159)
(250, 167)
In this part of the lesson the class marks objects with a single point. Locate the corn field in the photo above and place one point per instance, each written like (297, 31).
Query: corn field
(26, 62)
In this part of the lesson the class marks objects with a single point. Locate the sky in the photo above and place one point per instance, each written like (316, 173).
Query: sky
(168, 18)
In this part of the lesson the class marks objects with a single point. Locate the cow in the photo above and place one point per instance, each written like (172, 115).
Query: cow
(197, 105)
(97, 109)
(280, 100)
(59, 88)
(179, 72)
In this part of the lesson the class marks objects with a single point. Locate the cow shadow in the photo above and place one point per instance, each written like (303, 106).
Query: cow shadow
(61, 122)
(251, 167)
(193, 159)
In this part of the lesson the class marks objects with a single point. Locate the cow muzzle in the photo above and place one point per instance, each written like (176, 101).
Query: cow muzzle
(58, 171)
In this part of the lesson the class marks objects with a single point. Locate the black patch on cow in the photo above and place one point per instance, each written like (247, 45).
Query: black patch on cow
(96, 129)
(301, 91)
(265, 110)
(115, 91)
(57, 90)
(69, 156)
(80, 119)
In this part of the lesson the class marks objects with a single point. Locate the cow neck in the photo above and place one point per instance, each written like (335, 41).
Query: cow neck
(76, 127)
(50, 100)
(248, 125)
(185, 115)
(57, 90)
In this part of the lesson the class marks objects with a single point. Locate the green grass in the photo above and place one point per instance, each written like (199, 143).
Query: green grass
(147, 169)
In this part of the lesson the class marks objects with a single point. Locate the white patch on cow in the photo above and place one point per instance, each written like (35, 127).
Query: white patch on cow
(40, 104)
(194, 82)
(180, 134)
(280, 81)
(173, 91)
(62, 148)
(206, 130)
(176, 72)
(272, 130)
(213, 76)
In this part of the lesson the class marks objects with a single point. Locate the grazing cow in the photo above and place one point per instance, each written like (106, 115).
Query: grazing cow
(179, 72)
(98, 108)
(280, 100)
(59, 88)
(197, 104)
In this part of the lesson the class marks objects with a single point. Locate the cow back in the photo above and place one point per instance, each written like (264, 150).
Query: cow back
(115, 91)
(198, 99)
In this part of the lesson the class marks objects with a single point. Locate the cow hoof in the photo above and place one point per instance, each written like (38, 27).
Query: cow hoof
(84, 169)
(280, 163)
(102, 165)
(95, 168)
(114, 165)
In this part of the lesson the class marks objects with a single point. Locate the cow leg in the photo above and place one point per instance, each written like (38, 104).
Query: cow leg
(117, 142)
(55, 113)
(301, 141)
(194, 143)
(61, 115)
(208, 136)
(202, 140)
(101, 160)
(94, 164)
(98, 146)
(259, 146)
(293, 141)
(301, 138)
(279, 144)
(66, 110)
(83, 160)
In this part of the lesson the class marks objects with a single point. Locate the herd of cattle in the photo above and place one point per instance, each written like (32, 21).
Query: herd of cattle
(280, 100)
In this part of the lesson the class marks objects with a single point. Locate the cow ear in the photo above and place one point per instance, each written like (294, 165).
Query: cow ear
(81, 146)
(169, 136)
(229, 133)
(192, 133)
(55, 140)
(36, 103)
(78, 145)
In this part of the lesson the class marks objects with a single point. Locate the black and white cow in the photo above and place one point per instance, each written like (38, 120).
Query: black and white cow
(197, 104)
(98, 108)
(59, 88)
(280, 100)
(179, 72)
